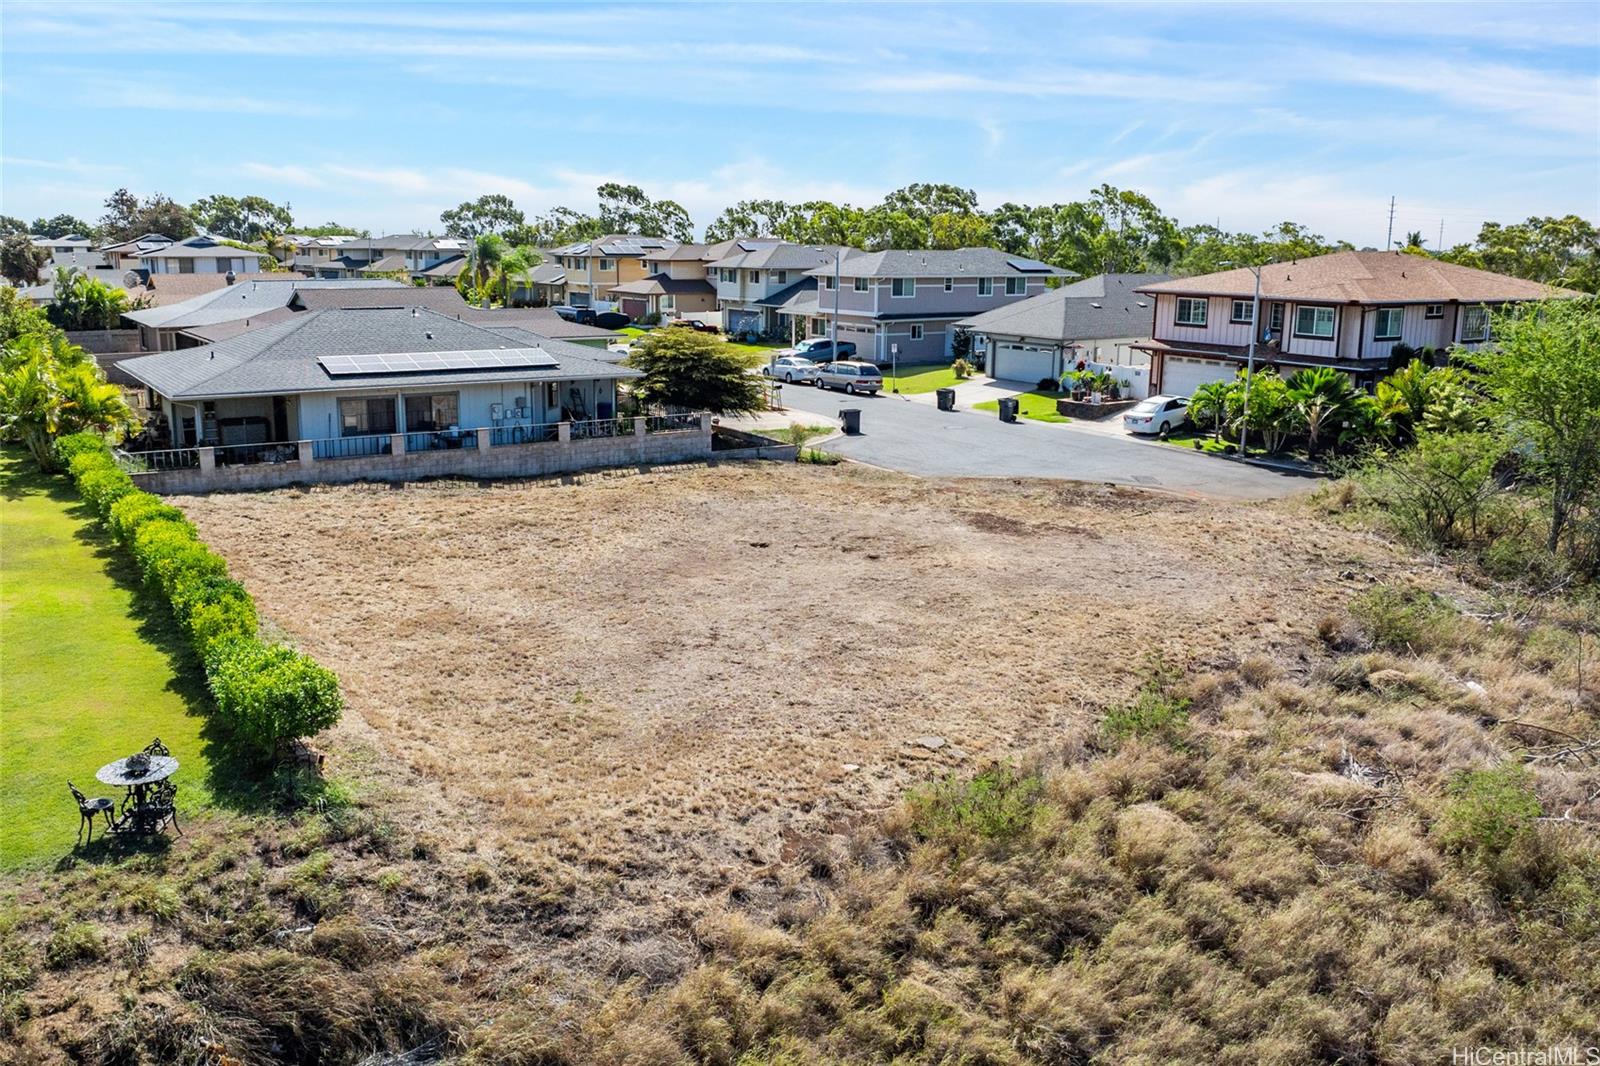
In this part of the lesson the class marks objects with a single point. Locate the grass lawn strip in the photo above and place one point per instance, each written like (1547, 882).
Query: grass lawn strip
(1039, 406)
(93, 668)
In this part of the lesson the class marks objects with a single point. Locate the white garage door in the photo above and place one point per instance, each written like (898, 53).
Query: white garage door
(865, 338)
(1180, 375)
(1023, 362)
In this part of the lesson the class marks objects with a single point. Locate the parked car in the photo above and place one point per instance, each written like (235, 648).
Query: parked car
(791, 368)
(584, 315)
(1158, 414)
(610, 319)
(694, 324)
(850, 375)
(820, 349)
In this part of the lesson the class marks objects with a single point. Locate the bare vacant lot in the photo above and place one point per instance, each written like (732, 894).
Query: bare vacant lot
(661, 685)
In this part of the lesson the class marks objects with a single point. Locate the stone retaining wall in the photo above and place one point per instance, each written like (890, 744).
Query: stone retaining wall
(508, 461)
(1093, 411)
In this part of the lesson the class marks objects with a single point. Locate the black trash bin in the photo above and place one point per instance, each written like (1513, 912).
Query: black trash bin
(947, 399)
(1008, 409)
(852, 419)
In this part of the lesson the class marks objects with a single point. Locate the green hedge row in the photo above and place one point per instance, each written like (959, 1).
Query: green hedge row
(267, 693)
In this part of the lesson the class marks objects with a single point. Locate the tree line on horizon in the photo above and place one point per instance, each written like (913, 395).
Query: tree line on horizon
(1109, 230)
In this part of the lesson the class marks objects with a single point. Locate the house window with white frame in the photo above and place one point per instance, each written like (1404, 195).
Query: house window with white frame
(1433, 311)
(782, 277)
(1016, 286)
(1243, 313)
(829, 282)
(916, 332)
(903, 287)
(755, 277)
(949, 284)
(1387, 322)
(1275, 318)
(1475, 324)
(606, 264)
(1314, 322)
(985, 286)
(1191, 311)
(863, 284)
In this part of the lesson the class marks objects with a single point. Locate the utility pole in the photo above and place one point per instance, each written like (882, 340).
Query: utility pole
(1440, 246)
(1388, 242)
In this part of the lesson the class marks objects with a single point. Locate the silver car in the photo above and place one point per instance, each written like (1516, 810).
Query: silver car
(791, 368)
(852, 377)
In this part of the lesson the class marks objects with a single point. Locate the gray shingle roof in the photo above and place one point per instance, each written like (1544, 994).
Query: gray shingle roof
(242, 300)
(943, 263)
(199, 248)
(618, 244)
(783, 297)
(782, 256)
(1105, 305)
(283, 357)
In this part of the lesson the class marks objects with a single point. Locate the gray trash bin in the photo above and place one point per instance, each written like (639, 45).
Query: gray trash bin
(947, 399)
(852, 419)
(1008, 409)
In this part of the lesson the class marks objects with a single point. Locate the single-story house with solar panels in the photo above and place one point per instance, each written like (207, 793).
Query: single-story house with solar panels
(902, 305)
(353, 393)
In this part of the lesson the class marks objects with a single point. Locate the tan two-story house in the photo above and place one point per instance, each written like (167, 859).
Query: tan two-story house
(674, 284)
(1347, 310)
(593, 268)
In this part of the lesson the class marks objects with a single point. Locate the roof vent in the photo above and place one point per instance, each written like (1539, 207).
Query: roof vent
(429, 334)
(1095, 305)
(413, 312)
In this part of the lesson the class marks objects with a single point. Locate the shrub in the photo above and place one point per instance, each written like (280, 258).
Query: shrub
(71, 446)
(212, 608)
(100, 480)
(961, 369)
(269, 694)
(1491, 810)
(73, 942)
(133, 510)
(1155, 712)
(166, 549)
(1400, 619)
(996, 804)
(1436, 494)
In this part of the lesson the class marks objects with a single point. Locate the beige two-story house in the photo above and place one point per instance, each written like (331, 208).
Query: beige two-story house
(1346, 310)
(674, 284)
(593, 268)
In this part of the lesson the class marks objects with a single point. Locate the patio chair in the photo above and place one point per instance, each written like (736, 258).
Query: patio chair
(88, 808)
(160, 808)
(155, 747)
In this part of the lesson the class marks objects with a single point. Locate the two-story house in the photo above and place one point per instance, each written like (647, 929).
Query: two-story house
(124, 255)
(396, 253)
(595, 267)
(903, 304)
(1347, 310)
(199, 255)
(761, 282)
(674, 284)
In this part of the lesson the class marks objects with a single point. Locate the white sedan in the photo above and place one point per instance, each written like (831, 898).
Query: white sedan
(791, 368)
(1158, 414)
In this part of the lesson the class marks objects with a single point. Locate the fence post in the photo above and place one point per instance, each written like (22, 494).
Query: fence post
(638, 425)
(208, 459)
(483, 440)
(397, 444)
(563, 432)
(308, 452)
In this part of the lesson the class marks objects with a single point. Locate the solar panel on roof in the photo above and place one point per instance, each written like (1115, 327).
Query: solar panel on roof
(1028, 266)
(435, 362)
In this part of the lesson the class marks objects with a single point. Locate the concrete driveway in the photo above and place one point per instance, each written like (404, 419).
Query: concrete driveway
(917, 438)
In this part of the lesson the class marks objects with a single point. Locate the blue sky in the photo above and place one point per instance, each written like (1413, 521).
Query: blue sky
(380, 115)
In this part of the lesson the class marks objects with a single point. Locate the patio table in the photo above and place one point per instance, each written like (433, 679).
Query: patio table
(137, 782)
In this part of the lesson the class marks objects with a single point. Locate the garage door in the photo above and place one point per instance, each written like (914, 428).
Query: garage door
(1180, 375)
(740, 321)
(1023, 362)
(865, 338)
(633, 307)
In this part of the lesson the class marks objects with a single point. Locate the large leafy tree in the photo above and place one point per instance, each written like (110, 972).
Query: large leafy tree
(21, 259)
(690, 371)
(757, 218)
(490, 213)
(128, 217)
(82, 302)
(626, 209)
(924, 200)
(1557, 251)
(61, 226)
(1543, 374)
(246, 218)
(49, 388)
(11, 224)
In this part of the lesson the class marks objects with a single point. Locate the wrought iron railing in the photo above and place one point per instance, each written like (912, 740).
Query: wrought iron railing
(536, 433)
(672, 423)
(441, 440)
(602, 427)
(249, 454)
(158, 459)
(352, 447)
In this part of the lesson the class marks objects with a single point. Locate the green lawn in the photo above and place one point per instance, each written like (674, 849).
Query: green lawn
(920, 377)
(91, 668)
(1039, 406)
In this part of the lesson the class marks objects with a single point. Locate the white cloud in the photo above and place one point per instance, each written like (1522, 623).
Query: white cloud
(1550, 101)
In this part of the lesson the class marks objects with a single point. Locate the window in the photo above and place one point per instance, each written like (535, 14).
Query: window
(1314, 322)
(863, 284)
(1275, 318)
(371, 414)
(728, 275)
(1191, 311)
(1387, 323)
(1016, 286)
(985, 286)
(1243, 311)
(903, 287)
(424, 413)
(755, 277)
(916, 332)
(666, 302)
(829, 282)
(1434, 311)
(783, 277)
(1475, 324)
(606, 264)
(949, 284)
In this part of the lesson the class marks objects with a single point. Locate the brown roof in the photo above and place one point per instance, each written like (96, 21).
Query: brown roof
(1364, 277)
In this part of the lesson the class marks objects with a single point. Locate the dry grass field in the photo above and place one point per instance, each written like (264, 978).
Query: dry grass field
(660, 683)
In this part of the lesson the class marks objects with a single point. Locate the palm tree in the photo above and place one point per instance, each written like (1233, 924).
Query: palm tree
(41, 399)
(1210, 404)
(517, 265)
(1323, 396)
(487, 252)
(1416, 390)
(1414, 239)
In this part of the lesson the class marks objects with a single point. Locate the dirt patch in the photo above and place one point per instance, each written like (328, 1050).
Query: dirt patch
(664, 682)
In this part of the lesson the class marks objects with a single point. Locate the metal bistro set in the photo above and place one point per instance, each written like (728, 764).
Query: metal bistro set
(149, 802)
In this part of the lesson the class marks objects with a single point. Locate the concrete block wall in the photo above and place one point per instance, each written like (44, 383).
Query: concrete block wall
(510, 461)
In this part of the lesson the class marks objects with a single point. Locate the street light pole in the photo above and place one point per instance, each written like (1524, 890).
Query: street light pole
(833, 327)
(1250, 357)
